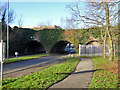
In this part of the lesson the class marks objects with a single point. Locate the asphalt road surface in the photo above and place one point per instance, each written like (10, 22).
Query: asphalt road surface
(30, 63)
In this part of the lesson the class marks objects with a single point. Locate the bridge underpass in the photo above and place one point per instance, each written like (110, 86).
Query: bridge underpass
(34, 47)
(59, 47)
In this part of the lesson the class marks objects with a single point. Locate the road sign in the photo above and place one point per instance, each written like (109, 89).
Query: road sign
(2, 50)
(16, 53)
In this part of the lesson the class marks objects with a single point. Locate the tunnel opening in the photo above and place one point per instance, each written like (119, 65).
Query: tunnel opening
(34, 47)
(63, 47)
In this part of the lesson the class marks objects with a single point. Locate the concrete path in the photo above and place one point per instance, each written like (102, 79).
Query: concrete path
(80, 78)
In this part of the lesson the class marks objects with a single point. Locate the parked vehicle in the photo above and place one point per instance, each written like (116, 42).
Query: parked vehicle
(70, 49)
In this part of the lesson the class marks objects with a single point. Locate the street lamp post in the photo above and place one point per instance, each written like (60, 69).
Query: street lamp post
(1, 51)
(8, 30)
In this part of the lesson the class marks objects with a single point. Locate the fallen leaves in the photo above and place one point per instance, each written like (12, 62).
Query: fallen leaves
(107, 76)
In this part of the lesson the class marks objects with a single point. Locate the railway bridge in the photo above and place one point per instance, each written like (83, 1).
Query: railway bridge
(30, 41)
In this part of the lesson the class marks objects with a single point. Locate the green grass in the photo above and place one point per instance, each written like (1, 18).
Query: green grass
(25, 58)
(44, 78)
(116, 58)
(84, 56)
(106, 75)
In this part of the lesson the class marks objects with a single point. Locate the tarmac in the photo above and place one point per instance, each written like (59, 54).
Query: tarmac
(80, 78)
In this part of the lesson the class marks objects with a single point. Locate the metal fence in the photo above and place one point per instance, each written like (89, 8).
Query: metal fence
(93, 50)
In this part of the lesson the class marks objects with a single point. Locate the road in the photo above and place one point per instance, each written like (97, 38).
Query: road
(31, 63)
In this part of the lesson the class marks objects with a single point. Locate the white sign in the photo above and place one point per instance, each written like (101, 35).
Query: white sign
(2, 51)
(16, 53)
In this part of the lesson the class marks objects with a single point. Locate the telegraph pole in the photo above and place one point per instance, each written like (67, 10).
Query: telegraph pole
(7, 30)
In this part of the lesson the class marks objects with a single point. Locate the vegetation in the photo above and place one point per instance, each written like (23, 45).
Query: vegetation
(95, 32)
(101, 14)
(76, 36)
(24, 58)
(19, 40)
(106, 74)
(44, 78)
(82, 36)
(48, 37)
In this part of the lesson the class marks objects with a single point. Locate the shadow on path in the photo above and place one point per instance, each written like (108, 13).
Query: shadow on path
(81, 72)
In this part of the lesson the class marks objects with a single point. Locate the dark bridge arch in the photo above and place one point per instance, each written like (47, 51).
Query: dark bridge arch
(59, 47)
(34, 47)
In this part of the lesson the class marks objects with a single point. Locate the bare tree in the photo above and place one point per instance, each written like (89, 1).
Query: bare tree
(4, 20)
(97, 14)
(4, 15)
(20, 21)
(47, 23)
(43, 25)
(62, 22)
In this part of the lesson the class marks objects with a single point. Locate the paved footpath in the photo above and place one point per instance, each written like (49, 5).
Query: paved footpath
(80, 78)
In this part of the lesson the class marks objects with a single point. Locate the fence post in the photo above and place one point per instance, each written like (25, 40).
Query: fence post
(80, 48)
(91, 50)
(85, 53)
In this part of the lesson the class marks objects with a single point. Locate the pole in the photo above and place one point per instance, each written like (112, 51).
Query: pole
(80, 48)
(1, 21)
(2, 50)
(8, 30)
(2, 63)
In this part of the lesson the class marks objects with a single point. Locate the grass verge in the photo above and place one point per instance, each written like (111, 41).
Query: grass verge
(106, 74)
(44, 78)
(24, 58)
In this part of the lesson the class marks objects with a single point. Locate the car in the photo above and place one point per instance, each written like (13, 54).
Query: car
(70, 48)
(72, 51)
